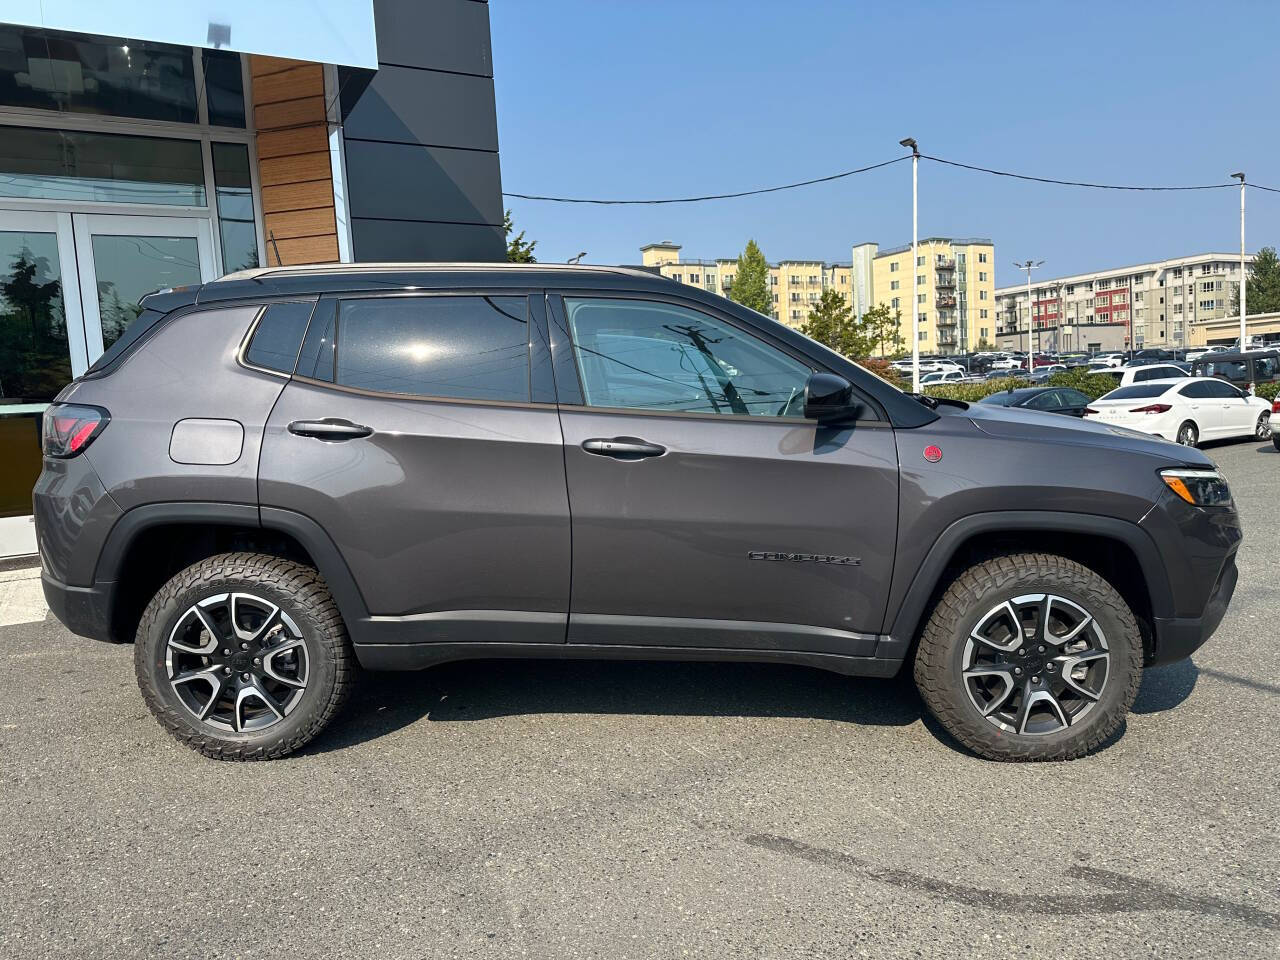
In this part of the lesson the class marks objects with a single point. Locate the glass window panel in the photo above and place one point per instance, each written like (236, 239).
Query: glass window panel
(234, 190)
(278, 337)
(35, 362)
(130, 267)
(100, 167)
(658, 356)
(224, 88)
(50, 70)
(474, 348)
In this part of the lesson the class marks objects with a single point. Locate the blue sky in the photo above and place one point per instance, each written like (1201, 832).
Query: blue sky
(627, 99)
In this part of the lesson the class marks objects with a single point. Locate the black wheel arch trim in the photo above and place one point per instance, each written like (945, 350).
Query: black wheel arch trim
(308, 533)
(907, 622)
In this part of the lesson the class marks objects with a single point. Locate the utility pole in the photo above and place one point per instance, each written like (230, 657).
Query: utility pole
(1244, 279)
(915, 244)
(1029, 266)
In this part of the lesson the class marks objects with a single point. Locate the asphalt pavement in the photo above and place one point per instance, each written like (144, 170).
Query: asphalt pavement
(619, 810)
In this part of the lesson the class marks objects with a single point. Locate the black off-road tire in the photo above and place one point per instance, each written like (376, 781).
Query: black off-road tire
(302, 594)
(940, 654)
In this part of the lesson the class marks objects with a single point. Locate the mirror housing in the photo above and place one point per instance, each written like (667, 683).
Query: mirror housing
(829, 399)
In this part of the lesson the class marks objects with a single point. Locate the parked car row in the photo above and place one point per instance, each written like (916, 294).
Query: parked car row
(1185, 409)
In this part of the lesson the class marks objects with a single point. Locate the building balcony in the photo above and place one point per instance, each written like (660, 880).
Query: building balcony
(946, 301)
(944, 265)
(945, 281)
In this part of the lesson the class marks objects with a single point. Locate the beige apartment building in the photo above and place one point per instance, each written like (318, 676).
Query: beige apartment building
(955, 290)
(796, 285)
(1181, 302)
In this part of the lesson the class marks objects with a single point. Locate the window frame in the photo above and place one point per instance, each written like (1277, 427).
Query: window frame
(242, 352)
(569, 391)
(533, 330)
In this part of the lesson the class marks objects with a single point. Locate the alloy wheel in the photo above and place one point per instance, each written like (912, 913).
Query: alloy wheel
(1187, 435)
(237, 662)
(1264, 426)
(1035, 664)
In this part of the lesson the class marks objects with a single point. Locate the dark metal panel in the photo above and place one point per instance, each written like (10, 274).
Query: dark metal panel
(443, 35)
(403, 182)
(391, 240)
(407, 105)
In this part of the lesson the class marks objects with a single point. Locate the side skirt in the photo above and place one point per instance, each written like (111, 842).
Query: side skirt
(419, 656)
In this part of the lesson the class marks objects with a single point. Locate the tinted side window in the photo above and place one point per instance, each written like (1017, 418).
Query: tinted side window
(1218, 390)
(470, 348)
(1266, 368)
(278, 337)
(1044, 401)
(659, 356)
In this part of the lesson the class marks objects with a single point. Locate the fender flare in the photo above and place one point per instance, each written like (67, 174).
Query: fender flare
(308, 533)
(907, 621)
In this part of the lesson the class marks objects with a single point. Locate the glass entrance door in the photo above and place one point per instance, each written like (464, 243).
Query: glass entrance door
(69, 285)
(121, 259)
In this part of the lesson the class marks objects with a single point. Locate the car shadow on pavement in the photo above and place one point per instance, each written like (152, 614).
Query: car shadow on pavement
(1163, 688)
(484, 689)
(1268, 448)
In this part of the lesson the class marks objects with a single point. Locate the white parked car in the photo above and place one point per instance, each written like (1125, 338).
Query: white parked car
(1124, 376)
(1204, 351)
(1107, 360)
(944, 376)
(1185, 409)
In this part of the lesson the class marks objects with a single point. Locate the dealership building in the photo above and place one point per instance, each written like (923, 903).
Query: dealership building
(143, 148)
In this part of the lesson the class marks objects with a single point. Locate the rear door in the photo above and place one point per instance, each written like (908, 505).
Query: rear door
(416, 435)
(1205, 405)
(707, 512)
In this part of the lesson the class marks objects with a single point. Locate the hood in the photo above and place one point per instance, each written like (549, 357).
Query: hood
(1018, 423)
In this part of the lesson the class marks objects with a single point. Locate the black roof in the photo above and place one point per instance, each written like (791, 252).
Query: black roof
(1236, 355)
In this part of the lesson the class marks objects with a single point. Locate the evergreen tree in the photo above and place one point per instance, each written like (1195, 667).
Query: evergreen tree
(751, 281)
(1264, 285)
(518, 249)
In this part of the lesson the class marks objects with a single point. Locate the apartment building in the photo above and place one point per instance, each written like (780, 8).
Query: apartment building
(1166, 303)
(796, 285)
(955, 290)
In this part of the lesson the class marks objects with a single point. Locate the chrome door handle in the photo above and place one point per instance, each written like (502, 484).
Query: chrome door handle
(330, 429)
(623, 448)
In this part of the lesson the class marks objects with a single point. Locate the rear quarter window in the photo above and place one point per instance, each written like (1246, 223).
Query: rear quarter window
(278, 336)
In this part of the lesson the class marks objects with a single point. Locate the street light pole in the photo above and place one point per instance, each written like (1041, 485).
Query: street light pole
(1244, 279)
(915, 244)
(1029, 266)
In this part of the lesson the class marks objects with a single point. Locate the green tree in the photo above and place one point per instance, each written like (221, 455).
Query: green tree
(833, 324)
(751, 281)
(518, 249)
(883, 331)
(1264, 284)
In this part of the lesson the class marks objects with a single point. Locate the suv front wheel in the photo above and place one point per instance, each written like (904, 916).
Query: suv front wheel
(1030, 657)
(243, 656)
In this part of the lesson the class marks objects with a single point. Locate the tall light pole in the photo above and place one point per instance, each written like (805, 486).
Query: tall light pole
(915, 256)
(1029, 266)
(578, 258)
(1244, 279)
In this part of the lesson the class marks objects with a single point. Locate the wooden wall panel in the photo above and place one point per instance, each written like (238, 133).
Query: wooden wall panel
(293, 161)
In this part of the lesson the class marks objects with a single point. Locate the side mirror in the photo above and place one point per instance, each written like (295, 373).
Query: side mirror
(829, 399)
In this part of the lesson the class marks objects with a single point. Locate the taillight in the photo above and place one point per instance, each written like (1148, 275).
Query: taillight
(70, 427)
(1153, 408)
(1275, 405)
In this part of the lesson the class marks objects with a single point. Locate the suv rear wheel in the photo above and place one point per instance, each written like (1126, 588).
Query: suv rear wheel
(1030, 657)
(243, 656)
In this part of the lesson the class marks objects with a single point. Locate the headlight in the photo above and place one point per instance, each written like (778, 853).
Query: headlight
(1201, 488)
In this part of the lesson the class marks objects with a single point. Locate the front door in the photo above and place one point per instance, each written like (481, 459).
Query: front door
(707, 511)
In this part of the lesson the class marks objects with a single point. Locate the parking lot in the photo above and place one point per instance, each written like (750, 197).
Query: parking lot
(638, 810)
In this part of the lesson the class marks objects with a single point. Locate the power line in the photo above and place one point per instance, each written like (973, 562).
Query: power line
(1075, 183)
(713, 196)
(877, 166)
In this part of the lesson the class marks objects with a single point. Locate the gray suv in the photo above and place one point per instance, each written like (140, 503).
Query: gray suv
(274, 477)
